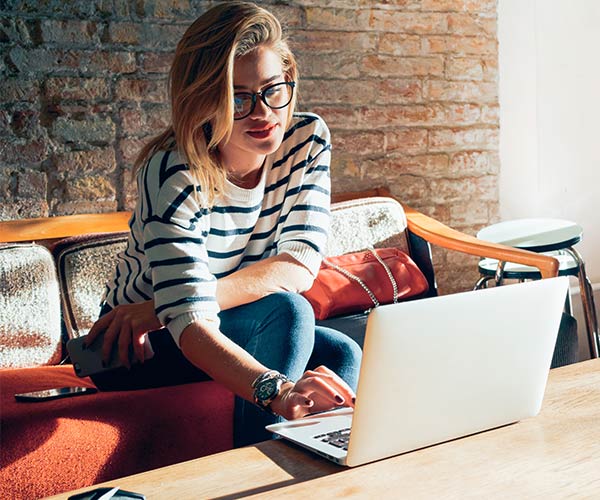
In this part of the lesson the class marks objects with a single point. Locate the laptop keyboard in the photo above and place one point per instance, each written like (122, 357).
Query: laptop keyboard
(338, 438)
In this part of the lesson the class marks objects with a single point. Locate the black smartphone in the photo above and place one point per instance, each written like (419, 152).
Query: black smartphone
(56, 393)
(98, 492)
(88, 361)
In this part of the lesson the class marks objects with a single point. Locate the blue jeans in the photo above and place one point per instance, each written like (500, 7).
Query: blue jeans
(278, 330)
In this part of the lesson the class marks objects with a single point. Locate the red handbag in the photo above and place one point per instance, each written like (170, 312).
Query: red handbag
(357, 282)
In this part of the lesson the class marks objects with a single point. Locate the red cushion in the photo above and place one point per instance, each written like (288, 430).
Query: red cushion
(55, 446)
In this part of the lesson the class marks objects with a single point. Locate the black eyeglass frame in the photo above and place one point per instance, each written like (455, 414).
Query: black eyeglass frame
(261, 94)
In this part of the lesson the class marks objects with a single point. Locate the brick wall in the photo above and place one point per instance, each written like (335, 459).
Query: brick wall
(408, 88)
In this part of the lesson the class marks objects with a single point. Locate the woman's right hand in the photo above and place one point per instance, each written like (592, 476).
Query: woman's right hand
(317, 390)
(125, 324)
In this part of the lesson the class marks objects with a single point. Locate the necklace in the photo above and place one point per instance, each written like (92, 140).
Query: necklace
(247, 181)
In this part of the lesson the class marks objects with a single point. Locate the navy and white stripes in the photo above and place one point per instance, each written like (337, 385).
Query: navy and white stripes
(177, 249)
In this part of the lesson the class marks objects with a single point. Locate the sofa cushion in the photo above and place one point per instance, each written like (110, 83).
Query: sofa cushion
(60, 445)
(362, 223)
(30, 318)
(85, 264)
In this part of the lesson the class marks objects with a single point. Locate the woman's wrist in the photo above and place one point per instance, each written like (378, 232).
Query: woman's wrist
(278, 405)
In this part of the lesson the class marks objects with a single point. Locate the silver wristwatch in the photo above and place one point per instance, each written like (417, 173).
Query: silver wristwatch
(266, 388)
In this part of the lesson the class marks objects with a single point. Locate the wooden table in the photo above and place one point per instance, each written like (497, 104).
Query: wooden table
(553, 455)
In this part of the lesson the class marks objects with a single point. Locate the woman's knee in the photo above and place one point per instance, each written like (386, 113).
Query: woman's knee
(292, 309)
(292, 316)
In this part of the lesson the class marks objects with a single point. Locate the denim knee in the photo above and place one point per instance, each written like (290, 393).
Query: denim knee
(293, 304)
(293, 316)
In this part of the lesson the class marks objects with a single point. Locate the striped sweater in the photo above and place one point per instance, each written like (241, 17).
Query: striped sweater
(177, 249)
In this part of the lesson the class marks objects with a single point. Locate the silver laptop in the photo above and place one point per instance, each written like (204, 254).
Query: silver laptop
(442, 368)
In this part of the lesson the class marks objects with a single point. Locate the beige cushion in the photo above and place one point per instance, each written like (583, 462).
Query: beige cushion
(360, 224)
(30, 322)
(85, 264)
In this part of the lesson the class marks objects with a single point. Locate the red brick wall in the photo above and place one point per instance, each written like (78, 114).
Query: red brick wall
(408, 88)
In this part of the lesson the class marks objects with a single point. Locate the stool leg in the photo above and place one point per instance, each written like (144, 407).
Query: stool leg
(499, 278)
(482, 282)
(587, 300)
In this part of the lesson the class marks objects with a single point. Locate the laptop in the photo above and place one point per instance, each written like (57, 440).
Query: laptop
(442, 368)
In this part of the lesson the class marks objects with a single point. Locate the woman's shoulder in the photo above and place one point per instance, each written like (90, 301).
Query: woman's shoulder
(305, 124)
(164, 160)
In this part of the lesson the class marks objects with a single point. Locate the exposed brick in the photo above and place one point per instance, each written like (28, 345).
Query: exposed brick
(406, 141)
(103, 62)
(389, 91)
(326, 65)
(460, 45)
(460, 5)
(23, 209)
(19, 151)
(70, 32)
(91, 130)
(125, 33)
(460, 189)
(129, 192)
(81, 61)
(332, 41)
(421, 166)
(461, 114)
(403, 22)
(140, 122)
(469, 212)
(62, 207)
(166, 9)
(445, 90)
(471, 24)
(73, 88)
(136, 90)
(93, 188)
(397, 91)
(86, 162)
(32, 184)
(129, 149)
(362, 142)
(474, 163)
(402, 116)
(443, 5)
(162, 35)
(5, 119)
(490, 114)
(408, 88)
(464, 68)
(386, 66)
(156, 62)
(393, 4)
(400, 44)
(488, 6)
(7, 179)
(333, 19)
(463, 139)
(490, 68)
(26, 123)
(290, 16)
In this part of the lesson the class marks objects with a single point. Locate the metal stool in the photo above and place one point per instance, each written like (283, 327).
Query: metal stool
(555, 237)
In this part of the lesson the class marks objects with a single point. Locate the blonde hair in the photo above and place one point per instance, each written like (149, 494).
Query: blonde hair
(201, 86)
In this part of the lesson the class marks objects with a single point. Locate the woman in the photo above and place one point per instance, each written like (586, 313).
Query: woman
(230, 225)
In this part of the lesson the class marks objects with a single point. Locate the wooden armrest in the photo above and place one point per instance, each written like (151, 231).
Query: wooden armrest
(46, 228)
(439, 234)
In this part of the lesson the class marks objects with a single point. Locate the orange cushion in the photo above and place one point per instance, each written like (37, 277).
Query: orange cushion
(55, 446)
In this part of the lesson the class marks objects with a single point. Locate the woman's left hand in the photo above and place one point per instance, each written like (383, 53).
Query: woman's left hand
(317, 390)
(126, 324)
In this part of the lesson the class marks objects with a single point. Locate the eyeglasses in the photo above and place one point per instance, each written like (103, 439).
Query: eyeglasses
(276, 96)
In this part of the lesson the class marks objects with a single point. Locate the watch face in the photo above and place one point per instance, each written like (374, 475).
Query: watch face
(266, 390)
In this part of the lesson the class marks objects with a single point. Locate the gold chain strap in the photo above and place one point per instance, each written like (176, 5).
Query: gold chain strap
(351, 276)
